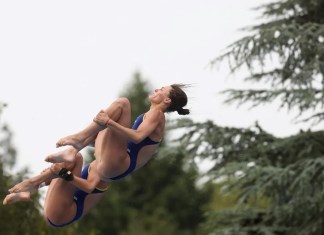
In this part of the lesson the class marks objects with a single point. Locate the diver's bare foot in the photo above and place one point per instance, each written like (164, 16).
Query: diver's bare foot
(56, 168)
(72, 140)
(33, 184)
(16, 197)
(28, 185)
(67, 155)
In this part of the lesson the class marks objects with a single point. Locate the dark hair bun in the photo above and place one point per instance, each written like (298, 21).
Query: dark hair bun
(182, 111)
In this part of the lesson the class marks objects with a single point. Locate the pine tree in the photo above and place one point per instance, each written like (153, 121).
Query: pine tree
(285, 55)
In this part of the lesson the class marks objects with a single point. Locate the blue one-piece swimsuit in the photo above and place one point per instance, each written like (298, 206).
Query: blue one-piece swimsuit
(79, 197)
(132, 149)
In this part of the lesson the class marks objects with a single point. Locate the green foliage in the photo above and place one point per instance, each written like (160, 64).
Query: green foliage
(286, 52)
(223, 145)
(20, 218)
(7, 150)
(278, 181)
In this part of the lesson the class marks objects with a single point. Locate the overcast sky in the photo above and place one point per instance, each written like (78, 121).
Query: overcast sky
(62, 61)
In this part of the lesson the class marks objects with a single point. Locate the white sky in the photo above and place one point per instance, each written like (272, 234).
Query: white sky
(62, 61)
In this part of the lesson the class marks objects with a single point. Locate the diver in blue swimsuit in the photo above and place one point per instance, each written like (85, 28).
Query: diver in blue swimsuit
(132, 150)
(79, 197)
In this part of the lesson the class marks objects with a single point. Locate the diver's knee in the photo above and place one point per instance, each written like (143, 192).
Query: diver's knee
(123, 102)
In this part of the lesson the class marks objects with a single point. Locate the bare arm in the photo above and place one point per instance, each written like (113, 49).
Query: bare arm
(85, 185)
(148, 125)
(89, 184)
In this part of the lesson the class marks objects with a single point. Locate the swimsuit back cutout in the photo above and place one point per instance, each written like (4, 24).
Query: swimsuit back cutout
(133, 149)
(79, 197)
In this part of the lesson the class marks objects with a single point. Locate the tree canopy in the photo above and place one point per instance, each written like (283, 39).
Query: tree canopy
(286, 54)
(277, 182)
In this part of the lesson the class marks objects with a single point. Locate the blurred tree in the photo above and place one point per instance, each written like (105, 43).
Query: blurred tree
(278, 181)
(161, 198)
(7, 150)
(284, 173)
(287, 54)
(137, 91)
(20, 218)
